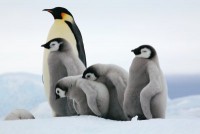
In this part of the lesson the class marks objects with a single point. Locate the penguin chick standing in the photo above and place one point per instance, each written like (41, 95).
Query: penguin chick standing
(89, 97)
(146, 93)
(62, 62)
(64, 27)
(115, 78)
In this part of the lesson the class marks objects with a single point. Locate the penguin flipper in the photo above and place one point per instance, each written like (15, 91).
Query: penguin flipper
(79, 41)
(91, 95)
(120, 87)
(150, 90)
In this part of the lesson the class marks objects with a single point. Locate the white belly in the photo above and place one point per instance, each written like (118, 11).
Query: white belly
(58, 30)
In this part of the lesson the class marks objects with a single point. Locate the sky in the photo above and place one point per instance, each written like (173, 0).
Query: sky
(110, 30)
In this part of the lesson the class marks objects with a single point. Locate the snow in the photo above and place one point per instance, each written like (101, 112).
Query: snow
(182, 117)
(43, 110)
(185, 107)
(181, 108)
(91, 125)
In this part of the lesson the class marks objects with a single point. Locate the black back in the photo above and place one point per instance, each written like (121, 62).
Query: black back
(79, 41)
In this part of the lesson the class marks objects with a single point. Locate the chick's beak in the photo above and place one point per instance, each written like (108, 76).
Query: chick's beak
(57, 97)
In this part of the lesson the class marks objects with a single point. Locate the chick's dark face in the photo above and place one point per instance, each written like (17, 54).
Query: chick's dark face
(90, 74)
(136, 51)
(60, 91)
(144, 51)
(55, 44)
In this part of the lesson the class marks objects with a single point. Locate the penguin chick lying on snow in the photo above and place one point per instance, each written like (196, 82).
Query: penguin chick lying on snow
(19, 114)
(146, 93)
(89, 97)
(115, 78)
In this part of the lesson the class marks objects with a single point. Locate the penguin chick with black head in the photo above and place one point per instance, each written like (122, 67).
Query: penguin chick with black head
(64, 26)
(89, 97)
(115, 78)
(146, 92)
(62, 62)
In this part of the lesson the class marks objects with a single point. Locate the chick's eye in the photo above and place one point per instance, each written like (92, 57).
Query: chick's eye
(57, 91)
(144, 51)
(52, 44)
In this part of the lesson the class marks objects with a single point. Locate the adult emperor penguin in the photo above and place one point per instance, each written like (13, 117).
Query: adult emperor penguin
(62, 62)
(64, 27)
(115, 78)
(89, 97)
(146, 93)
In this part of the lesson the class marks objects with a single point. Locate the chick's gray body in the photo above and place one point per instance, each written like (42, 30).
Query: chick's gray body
(89, 97)
(115, 78)
(146, 93)
(80, 102)
(62, 63)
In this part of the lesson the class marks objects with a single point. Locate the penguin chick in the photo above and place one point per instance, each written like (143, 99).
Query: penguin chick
(89, 97)
(19, 114)
(146, 93)
(115, 78)
(62, 62)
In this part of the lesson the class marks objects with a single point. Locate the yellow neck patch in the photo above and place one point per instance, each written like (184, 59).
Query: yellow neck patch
(67, 17)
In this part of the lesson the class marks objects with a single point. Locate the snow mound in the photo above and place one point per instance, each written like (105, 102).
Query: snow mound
(185, 107)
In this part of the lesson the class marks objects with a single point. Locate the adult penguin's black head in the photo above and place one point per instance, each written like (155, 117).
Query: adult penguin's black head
(60, 13)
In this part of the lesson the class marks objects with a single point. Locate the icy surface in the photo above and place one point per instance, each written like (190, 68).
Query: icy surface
(26, 91)
(95, 125)
(185, 107)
